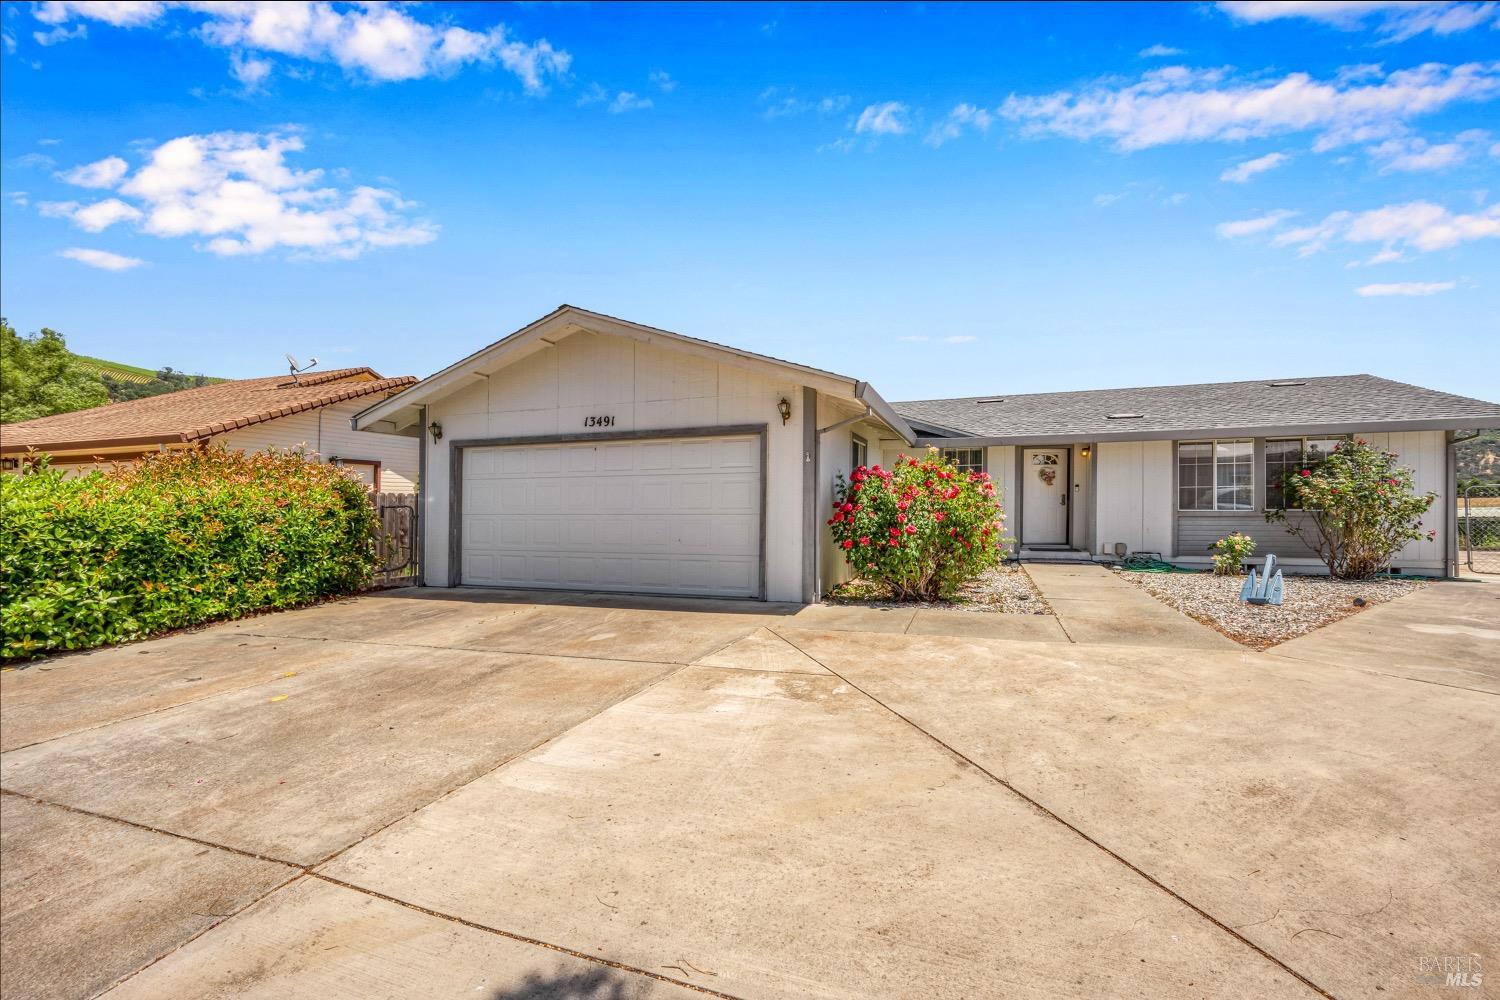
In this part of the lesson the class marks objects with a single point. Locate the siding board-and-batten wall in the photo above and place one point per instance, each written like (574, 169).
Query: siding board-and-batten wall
(327, 431)
(644, 387)
(1137, 503)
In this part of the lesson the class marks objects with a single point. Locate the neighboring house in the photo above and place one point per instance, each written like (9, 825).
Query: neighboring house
(311, 411)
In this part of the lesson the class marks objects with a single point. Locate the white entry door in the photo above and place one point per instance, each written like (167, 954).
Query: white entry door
(1044, 496)
(656, 516)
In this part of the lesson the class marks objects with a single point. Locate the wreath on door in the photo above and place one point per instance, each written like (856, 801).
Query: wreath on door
(1047, 475)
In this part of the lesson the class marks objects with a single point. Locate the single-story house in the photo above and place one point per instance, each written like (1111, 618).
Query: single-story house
(587, 452)
(311, 410)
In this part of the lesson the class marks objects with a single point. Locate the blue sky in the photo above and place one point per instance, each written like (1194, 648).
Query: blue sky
(942, 200)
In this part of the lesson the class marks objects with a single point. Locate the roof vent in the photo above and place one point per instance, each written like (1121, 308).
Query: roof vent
(1285, 383)
(991, 399)
(1123, 416)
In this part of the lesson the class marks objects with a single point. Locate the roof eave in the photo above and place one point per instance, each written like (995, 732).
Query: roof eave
(865, 393)
(1193, 433)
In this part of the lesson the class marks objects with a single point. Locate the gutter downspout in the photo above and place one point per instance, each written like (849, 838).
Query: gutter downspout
(810, 560)
(421, 540)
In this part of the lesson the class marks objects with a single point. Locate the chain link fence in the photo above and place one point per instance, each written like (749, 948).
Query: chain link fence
(1479, 527)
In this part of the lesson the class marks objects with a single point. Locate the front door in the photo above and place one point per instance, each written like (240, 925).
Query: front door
(1044, 496)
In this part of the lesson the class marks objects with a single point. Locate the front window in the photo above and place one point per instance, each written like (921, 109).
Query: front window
(861, 453)
(965, 459)
(1216, 475)
(1288, 457)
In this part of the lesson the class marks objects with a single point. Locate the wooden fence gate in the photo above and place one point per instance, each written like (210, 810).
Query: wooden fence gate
(398, 539)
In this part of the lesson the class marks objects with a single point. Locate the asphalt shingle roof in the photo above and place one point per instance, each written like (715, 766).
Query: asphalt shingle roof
(1353, 401)
(192, 414)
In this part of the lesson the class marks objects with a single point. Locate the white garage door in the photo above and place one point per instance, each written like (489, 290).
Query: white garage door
(659, 516)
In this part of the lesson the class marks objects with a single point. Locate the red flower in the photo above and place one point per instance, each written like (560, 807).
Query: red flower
(864, 539)
(848, 544)
(1306, 473)
(911, 529)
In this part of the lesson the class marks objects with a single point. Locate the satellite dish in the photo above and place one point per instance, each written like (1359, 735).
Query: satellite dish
(297, 367)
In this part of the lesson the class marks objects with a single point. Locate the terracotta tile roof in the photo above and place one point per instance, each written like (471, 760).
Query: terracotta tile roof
(195, 414)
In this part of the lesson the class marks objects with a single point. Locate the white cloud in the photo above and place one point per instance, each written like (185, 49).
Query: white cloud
(101, 215)
(236, 191)
(1177, 104)
(102, 259)
(885, 118)
(61, 33)
(250, 71)
(779, 103)
(663, 80)
(960, 339)
(1251, 227)
(120, 13)
(1415, 227)
(378, 41)
(105, 173)
(1105, 200)
(1242, 172)
(961, 117)
(1405, 288)
(1159, 51)
(1397, 20)
(626, 100)
(1413, 154)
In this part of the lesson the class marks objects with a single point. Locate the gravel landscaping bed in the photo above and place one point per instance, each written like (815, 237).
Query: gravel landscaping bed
(1006, 589)
(1310, 602)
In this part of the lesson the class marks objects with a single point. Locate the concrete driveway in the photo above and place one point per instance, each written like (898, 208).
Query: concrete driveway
(521, 795)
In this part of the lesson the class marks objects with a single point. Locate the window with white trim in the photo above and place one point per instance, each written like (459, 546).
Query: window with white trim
(1288, 457)
(860, 452)
(965, 459)
(1216, 475)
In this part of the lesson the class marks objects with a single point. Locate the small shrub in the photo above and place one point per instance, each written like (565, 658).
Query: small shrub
(1360, 508)
(920, 529)
(175, 540)
(1231, 552)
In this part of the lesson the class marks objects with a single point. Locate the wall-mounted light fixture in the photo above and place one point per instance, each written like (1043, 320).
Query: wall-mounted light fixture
(1084, 451)
(784, 407)
(436, 430)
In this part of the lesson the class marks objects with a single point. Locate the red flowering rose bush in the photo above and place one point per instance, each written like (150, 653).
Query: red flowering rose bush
(920, 529)
(1360, 509)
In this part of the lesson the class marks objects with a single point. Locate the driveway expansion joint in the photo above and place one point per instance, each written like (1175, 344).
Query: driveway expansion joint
(1049, 814)
(596, 959)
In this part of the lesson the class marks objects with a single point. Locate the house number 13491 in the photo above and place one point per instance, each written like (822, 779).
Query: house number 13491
(604, 421)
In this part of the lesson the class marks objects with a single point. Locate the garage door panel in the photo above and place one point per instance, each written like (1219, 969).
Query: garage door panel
(663, 516)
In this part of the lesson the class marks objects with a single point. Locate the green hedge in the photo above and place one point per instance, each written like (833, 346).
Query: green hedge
(176, 540)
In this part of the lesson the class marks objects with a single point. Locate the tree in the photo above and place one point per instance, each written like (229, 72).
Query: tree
(921, 529)
(1359, 509)
(166, 381)
(40, 377)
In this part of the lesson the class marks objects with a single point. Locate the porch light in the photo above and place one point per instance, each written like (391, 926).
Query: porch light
(784, 407)
(1084, 451)
(436, 430)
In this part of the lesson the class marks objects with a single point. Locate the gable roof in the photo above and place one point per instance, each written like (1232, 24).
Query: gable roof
(1257, 408)
(194, 414)
(566, 320)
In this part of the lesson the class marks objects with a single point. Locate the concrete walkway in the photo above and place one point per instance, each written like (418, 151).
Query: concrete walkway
(1095, 607)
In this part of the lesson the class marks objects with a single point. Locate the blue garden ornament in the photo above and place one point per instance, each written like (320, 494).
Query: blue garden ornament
(1267, 589)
